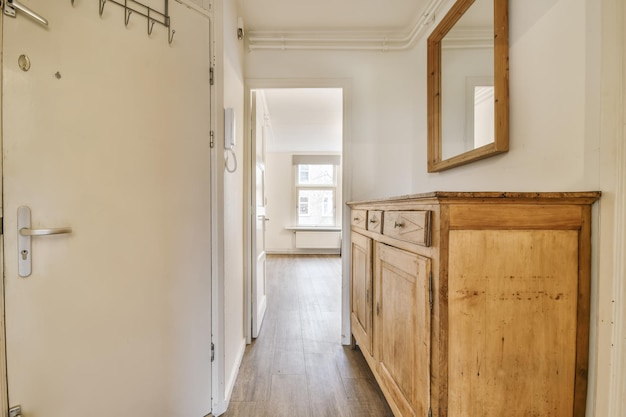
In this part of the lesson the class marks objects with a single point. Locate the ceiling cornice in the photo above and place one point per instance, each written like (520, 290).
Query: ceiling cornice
(468, 38)
(345, 40)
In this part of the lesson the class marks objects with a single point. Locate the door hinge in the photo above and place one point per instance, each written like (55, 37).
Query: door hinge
(15, 411)
(430, 412)
(212, 352)
(430, 290)
(1, 225)
(212, 139)
(211, 76)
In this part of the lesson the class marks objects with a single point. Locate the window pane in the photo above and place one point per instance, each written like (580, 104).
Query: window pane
(327, 207)
(303, 174)
(303, 206)
(316, 174)
(316, 207)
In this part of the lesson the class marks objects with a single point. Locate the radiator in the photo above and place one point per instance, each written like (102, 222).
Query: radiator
(318, 240)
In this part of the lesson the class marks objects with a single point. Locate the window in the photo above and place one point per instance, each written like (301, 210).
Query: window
(316, 207)
(316, 188)
(316, 174)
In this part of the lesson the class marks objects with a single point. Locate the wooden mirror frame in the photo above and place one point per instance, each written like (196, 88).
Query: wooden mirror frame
(501, 88)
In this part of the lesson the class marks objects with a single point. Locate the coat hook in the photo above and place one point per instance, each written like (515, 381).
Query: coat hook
(102, 2)
(128, 13)
(171, 36)
(150, 26)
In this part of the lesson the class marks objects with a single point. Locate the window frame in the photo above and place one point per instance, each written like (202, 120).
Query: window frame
(314, 187)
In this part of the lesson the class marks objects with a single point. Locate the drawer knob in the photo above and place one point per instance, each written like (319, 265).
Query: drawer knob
(398, 224)
(374, 220)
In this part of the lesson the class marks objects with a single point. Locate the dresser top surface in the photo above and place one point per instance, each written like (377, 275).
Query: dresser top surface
(569, 197)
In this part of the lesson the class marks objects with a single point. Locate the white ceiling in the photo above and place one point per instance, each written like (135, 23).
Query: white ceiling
(304, 119)
(329, 15)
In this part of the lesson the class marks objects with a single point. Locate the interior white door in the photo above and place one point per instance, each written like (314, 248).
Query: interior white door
(107, 132)
(259, 296)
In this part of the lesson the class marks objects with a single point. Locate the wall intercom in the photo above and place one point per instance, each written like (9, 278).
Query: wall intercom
(229, 138)
(229, 128)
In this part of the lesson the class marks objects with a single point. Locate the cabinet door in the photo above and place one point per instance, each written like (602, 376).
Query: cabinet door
(403, 329)
(361, 304)
(512, 327)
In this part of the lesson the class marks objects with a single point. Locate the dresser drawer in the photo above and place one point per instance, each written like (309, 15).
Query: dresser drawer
(374, 221)
(411, 226)
(358, 218)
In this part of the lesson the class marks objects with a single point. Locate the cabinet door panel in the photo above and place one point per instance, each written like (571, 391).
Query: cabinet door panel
(361, 303)
(512, 322)
(403, 328)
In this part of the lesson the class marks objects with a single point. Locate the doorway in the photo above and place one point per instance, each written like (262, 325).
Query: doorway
(297, 180)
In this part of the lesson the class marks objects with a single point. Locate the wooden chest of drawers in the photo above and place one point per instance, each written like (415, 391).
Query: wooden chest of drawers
(475, 304)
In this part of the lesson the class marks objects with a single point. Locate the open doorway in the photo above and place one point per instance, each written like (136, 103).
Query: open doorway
(296, 180)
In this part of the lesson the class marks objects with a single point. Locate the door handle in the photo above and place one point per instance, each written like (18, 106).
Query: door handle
(11, 5)
(24, 234)
(25, 231)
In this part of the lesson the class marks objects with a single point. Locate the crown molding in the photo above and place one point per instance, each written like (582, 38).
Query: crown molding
(466, 38)
(375, 40)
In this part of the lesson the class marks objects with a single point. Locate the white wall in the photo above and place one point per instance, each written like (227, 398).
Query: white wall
(280, 201)
(554, 92)
(233, 201)
(381, 108)
(560, 92)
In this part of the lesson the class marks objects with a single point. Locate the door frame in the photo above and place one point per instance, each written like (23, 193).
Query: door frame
(607, 356)
(346, 184)
(4, 387)
(252, 307)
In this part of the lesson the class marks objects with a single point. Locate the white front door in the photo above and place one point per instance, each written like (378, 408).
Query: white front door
(259, 296)
(107, 133)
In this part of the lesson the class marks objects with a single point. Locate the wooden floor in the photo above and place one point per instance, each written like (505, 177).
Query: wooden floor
(298, 367)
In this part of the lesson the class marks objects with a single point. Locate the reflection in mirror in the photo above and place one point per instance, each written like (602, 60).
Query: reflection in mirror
(468, 84)
(466, 72)
(480, 118)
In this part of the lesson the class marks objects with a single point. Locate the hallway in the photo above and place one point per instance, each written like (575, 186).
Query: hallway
(298, 367)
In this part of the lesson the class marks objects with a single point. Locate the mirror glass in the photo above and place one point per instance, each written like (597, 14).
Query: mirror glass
(467, 82)
(468, 85)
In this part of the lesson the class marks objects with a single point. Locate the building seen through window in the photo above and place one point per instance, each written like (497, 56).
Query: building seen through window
(316, 187)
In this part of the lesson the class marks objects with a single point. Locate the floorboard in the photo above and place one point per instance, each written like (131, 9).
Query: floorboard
(297, 366)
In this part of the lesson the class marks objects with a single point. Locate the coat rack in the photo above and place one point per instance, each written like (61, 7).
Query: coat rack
(151, 15)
